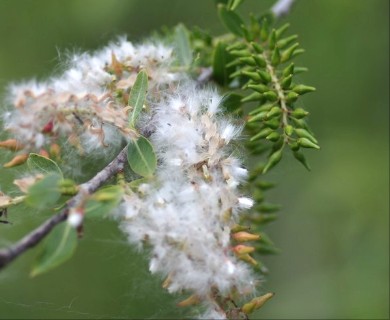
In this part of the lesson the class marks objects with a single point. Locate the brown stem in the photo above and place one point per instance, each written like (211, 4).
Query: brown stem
(7, 255)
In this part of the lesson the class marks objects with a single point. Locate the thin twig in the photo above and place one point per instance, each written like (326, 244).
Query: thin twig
(9, 254)
(282, 7)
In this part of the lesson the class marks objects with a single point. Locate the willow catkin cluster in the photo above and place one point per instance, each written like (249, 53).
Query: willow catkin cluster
(86, 105)
(186, 212)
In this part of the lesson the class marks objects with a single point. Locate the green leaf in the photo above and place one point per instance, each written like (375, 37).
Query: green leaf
(141, 157)
(36, 162)
(59, 246)
(231, 20)
(44, 193)
(234, 4)
(137, 96)
(221, 58)
(183, 45)
(103, 201)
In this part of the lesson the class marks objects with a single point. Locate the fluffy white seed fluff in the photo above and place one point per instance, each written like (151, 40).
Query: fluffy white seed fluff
(85, 106)
(187, 212)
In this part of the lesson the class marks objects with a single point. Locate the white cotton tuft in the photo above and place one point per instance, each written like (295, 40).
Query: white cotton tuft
(183, 216)
(88, 97)
(245, 203)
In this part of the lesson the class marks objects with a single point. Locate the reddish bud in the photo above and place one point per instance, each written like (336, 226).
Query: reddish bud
(44, 153)
(11, 144)
(48, 127)
(243, 236)
(242, 249)
(194, 299)
(55, 150)
(17, 160)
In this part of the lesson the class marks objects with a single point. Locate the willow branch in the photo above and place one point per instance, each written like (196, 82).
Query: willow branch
(9, 254)
(282, 7)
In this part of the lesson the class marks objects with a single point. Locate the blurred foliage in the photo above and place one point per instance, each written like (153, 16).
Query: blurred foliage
(333, 230)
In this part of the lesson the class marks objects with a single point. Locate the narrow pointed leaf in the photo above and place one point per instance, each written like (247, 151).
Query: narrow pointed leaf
(137, 97)
(59, 246)
(231, 20)
(183, 45)
(141, 157)
(221, 73)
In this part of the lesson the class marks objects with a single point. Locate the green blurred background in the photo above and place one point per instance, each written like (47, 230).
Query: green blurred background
(334, 226)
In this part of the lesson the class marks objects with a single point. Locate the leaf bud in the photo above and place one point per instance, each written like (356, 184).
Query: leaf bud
(288, 130)
(262, 134)
(242, 249)
(294, 146)
(271, 96)
(265, 76)
(48, 127)
(16, 161)
(273, 160)
(281, 30)
(238, 228)
(282, 43)
(234, 63)
(297, 52)
(302, 89)
(44, 153)
(306, 143)
(247, 258)
(247, 35)
(300, 70)
(255, 96)
(243, 236)
(275, 58)
(275, 111)
(240, 53)
(299, 113)
(274, 136)
(264, 31)
(248, 60)
(258, 87)
(288, 70)
(236, 46)
(301, 158)
(274, 123)
(272, 40)
(258, 48)
(303, 133)
(11, 144)
(260, 116)
(55, 150)
(292, 97)
(260, 61)
(287, 54)
(286, 82)
(253, 75)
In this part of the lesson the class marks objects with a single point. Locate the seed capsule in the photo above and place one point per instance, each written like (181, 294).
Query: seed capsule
(16, 161)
